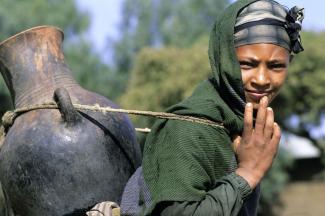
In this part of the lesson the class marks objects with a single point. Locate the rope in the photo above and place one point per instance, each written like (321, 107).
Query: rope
(10, 116)
(2, 135)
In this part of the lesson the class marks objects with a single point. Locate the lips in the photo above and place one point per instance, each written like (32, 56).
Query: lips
(256, 96)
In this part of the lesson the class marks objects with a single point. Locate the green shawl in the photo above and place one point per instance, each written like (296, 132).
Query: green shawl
(183, 160)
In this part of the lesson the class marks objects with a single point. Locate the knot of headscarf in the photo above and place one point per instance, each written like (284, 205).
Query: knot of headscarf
(294, 19)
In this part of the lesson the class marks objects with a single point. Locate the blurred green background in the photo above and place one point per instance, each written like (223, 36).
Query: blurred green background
(160, 56)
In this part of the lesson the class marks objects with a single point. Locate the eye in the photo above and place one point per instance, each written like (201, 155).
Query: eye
(246, 65)
(277, 66)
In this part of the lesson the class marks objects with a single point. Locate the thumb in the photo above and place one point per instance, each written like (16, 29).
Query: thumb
(236, 142)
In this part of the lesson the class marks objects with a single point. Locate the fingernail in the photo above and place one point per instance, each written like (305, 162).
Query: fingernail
(269, 109)
(249, 104)
(263, 100)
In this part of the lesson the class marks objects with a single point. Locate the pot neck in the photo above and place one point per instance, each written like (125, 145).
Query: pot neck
(32, 64)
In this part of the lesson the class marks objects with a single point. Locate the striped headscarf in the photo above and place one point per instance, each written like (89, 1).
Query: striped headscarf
(266, 21)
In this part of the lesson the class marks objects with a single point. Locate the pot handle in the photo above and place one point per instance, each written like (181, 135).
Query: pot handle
(69, 114)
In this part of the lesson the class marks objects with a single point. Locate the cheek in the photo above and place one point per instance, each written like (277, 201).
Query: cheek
(279, 80)
(277, 85)
(244, 77)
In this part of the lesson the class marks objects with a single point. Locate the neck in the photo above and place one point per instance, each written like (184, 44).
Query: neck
(32, 65)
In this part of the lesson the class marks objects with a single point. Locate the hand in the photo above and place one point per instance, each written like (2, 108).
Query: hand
(258, 146)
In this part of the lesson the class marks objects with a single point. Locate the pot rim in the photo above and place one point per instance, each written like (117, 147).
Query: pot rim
(32, 29)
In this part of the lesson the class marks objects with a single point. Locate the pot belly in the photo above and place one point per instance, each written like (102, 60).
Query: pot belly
(48, 168)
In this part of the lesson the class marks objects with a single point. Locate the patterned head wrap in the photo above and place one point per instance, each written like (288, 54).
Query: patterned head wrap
(266, 21)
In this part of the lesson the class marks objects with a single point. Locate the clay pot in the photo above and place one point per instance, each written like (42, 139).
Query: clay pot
(59, 161)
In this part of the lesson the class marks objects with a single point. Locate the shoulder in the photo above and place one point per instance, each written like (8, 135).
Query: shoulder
(179, 140)
(167, 131)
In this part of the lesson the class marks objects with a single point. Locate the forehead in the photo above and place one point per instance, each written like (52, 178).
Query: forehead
(262, 51)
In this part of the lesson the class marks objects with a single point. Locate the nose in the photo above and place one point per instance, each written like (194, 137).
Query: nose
(261, 78)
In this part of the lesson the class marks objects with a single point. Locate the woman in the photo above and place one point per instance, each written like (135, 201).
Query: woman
(195, 169)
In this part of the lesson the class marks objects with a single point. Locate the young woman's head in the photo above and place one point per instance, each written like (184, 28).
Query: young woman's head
(264, 42)
(264, 68)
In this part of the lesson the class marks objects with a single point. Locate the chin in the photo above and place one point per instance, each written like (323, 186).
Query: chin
(256, 103)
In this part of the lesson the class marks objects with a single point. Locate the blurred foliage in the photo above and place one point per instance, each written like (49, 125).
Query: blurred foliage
(162, 77)
(18, 15)
(157, 23)
(90, 71)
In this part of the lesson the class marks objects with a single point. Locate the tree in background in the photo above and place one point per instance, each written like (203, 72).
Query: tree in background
(162, 77)
(157, 23)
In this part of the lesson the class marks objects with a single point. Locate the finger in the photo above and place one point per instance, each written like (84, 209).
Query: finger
(269, 123)
(261, 116)
(275, 137)
(236, 143)
(248, 120)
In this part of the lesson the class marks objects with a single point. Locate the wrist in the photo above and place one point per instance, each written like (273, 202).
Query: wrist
(241, 184)
(252, 178)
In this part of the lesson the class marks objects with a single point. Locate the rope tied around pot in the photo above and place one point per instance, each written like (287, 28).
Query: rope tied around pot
(10, 116)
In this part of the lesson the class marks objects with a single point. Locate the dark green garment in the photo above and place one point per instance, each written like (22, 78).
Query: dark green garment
(193, 162)
(225, 199)
(187, 162)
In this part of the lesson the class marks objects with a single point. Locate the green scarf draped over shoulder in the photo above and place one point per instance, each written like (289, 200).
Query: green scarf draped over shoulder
(183, 160)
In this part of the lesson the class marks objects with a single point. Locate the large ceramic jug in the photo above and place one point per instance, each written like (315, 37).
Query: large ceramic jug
(59, 161)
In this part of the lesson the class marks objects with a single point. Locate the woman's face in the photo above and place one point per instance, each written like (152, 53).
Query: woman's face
(264, 69)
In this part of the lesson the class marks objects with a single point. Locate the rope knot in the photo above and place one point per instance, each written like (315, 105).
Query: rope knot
(7, 121)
